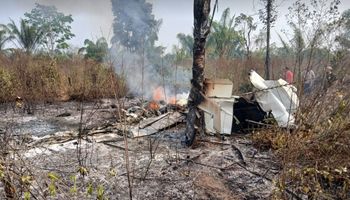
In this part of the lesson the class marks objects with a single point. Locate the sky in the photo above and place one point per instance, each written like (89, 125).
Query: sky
(94, 18)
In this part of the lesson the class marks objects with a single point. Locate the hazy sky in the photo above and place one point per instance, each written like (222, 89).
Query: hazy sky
(93, 18)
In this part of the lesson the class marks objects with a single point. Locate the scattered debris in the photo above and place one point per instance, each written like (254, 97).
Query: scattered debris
(227, 164)
(156, 124)
(149, 121)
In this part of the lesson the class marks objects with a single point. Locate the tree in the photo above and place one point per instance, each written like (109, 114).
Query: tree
(54, 25)
(268, 16)
(246, 25)
(95, 51)
(134, 24)
(344, 37)
(296, 46)
(27, 36)
(313, 26)
(224, 39)
(186, 42)
(5, 36)
(221, 35)
(179, 55)
(201, 30)
(259, 41)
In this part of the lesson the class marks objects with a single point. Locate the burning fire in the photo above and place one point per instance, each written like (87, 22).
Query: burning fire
(153, 105)
(159, 95)
(172, 100)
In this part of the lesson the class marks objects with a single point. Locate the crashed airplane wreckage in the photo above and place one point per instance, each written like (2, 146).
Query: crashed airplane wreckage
(225, 113)
(272, 100)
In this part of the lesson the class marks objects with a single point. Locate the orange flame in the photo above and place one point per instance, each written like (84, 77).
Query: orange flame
(158, 94)
(153, 105)
(172, 100)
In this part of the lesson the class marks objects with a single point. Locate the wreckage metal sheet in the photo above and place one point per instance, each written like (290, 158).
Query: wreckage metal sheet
(277, 97)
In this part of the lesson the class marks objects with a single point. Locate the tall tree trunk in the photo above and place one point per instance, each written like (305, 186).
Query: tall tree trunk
(195, 118)
(268, 27)
(299, 63)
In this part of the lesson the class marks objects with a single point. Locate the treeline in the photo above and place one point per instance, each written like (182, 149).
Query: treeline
(318, 37)
(39, 66)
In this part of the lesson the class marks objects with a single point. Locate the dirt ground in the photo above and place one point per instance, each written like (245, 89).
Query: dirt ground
(160, 166)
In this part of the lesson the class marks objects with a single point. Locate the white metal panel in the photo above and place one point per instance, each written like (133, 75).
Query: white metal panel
(277, 98)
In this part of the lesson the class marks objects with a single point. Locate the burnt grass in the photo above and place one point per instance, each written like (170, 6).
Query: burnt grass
(161, 167)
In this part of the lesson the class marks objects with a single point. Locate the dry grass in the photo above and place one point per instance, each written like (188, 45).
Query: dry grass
(315, 157)
(237, 70)
(44, 79)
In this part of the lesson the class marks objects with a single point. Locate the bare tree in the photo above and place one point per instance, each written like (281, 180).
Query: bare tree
(313, 25)
(195, 117)
(268, 27)
(247, 26)
(268, 16)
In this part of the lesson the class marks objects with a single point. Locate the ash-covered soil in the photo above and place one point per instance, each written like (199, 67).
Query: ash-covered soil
(45, 119)
(160, 166)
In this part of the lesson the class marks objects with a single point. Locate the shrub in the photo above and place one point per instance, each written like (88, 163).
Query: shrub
(41, 78)
(6, 85)
(315, 157)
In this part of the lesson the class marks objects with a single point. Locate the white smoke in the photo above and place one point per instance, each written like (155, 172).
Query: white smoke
(175, 82)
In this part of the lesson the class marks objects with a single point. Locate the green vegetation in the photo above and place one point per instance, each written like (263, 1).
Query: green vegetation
(134, 28)
(41, 70)
(95, 51)
(27, 36)
(4, 36)
(55, 27)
